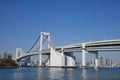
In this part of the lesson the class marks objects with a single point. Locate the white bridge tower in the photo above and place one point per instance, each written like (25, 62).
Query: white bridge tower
(42, 34)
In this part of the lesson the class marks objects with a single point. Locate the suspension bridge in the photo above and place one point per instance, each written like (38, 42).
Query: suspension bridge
(63, 56)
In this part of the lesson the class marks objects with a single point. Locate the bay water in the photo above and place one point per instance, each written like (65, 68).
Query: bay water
(35, 73)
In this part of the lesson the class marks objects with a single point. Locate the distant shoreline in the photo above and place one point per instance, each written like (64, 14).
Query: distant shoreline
(8, 63)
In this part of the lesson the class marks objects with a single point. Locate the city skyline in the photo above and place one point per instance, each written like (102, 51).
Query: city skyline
(68, 21)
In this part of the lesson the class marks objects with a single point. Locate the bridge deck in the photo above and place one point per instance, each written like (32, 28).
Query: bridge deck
(105, 45)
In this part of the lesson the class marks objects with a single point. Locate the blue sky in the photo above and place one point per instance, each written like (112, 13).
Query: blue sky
(69, 21)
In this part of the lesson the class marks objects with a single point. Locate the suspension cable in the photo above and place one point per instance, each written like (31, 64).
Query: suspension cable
(43, 42)
(33, 44)
(57, 44)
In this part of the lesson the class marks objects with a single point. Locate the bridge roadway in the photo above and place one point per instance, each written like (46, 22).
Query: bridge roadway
(105, 45)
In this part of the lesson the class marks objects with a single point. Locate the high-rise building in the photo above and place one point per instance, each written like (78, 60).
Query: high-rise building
(101, 61)
(110, 63)
(7, 55)
(92, 62)
(0, 56)
(107, 62)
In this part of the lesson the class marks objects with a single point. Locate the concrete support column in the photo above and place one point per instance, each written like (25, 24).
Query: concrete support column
(83, 57)
(40, 59)
(96, 60)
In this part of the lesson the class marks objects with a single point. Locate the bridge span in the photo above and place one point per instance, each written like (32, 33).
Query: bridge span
(63, 53)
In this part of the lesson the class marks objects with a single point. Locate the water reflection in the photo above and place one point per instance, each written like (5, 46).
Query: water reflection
(24, 74)
(18, 74)
(84, 74)
(42, 74)
(61, 73)
(96, 73)
(56, 73)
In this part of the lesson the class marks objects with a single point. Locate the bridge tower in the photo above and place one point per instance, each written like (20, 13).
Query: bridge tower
(42, 34)
(19, 52)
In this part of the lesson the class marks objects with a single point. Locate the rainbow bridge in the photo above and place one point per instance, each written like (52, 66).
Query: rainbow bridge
(63, 56)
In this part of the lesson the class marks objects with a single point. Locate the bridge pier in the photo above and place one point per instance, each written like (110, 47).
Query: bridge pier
(96, 60)
(70, 60)
(83, 57)
(61, 59)
(56, 58)
(40, 60)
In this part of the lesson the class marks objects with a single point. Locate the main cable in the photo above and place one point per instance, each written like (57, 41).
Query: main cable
(33, 44)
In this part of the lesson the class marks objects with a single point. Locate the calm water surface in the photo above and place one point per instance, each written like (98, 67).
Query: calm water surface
(33, 73)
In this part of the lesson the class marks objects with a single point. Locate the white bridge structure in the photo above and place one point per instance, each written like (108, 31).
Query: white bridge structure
(63, 56)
